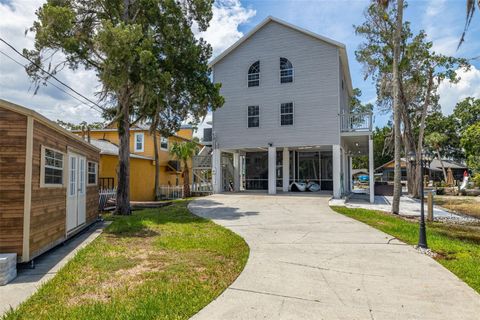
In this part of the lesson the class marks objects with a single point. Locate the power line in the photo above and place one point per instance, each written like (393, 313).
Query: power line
(51, 75)
(66, 92)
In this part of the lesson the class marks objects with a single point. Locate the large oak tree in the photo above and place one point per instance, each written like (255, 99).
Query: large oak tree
(130, 45)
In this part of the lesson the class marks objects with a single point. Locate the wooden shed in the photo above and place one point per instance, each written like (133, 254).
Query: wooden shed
(48, 182)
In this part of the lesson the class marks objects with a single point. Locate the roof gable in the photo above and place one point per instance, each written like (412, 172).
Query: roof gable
(248, 35)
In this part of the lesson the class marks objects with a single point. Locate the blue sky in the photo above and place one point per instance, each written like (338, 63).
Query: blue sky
(441, 19)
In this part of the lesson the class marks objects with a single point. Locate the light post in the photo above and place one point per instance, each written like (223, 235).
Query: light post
(425, 159)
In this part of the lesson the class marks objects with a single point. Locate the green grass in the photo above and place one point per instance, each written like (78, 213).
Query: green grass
(156, 264)
(457, 246)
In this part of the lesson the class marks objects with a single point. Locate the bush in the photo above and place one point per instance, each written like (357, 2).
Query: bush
(476, 180)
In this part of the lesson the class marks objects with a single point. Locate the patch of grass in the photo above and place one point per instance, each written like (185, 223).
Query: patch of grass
(462, 204)
(458, 246)
(155, 264)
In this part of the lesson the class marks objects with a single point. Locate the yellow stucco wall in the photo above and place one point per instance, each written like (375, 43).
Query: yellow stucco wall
(142, 176)
(142, 171)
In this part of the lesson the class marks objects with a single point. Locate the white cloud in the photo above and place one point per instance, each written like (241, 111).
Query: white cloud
(468, 86)
(223, 31)
(18, 15)
(15, 85)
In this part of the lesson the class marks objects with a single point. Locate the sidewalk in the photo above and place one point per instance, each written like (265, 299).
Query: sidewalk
(409, 207)
(28, 281)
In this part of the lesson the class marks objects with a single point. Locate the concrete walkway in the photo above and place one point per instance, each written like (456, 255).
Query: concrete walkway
(308, 262)
(409, 207)
(28, 280)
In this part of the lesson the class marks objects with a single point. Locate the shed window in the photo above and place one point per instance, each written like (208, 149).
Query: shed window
(139, 139)
(253, 116)
(92, 173)
(286, 114)
(164, 143)
(286, 71)
(53, 167)
(254, 75)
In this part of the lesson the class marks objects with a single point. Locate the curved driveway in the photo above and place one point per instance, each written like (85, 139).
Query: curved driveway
(308, 262)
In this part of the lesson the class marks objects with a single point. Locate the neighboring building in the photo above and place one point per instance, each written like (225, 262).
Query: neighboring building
(48, 182)
(142, 163)
(434, 171)
(286, 115)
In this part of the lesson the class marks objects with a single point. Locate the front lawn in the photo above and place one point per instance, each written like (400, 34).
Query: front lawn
(457, 246)
(156, 264)
(462, 204)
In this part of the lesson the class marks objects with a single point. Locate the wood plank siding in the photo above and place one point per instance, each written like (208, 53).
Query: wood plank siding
(32, 216)
(13, 131)
(48, 213)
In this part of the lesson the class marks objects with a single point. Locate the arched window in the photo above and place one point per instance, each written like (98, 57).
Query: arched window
(286, 71)
(254, 75)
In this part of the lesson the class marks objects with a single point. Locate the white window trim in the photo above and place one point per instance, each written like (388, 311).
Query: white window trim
(248, 117)
(257, 73)
(280, 73)
(96, 173)
(42, 169)
(293, 114)
(168, 142)
(135, 141)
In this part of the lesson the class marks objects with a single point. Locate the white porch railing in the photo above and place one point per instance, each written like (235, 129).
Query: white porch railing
(351, 122)
(171, 192)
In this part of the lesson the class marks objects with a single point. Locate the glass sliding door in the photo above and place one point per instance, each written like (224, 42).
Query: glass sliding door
(308, 167)
(256, 171)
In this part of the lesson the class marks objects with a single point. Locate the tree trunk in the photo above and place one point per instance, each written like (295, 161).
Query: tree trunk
(123, 187)
(397, 184)
(186, 181)
(157, 165)
(443, 167)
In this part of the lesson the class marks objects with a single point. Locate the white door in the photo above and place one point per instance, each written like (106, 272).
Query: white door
(76, 198)
(81, 197)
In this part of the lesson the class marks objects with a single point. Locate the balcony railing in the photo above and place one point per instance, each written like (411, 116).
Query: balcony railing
(352, 122)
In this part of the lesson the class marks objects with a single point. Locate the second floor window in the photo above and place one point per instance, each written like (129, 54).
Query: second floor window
(164, 143)
(286, 71)
(286, 114)
(254, 75)
(253, 116)
(139, 139)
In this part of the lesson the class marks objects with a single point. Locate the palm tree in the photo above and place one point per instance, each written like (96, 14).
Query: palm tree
(435, 140)
(468, 18)
(183, 152)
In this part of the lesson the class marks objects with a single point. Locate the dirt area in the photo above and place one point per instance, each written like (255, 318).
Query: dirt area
(461, 204)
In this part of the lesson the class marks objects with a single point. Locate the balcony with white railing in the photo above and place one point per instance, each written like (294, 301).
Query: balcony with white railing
(356, 122)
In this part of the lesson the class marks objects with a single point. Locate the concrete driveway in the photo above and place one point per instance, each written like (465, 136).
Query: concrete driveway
(308, 262)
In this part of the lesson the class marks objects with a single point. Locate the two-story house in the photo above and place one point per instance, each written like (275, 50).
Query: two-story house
(286, 115)
(142, 159)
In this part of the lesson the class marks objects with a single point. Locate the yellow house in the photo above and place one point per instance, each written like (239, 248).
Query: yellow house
(142, 163)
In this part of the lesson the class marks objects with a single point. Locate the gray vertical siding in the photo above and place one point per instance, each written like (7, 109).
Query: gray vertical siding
(314, 92)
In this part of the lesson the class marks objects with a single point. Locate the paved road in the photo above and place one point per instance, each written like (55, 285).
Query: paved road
(308, 262)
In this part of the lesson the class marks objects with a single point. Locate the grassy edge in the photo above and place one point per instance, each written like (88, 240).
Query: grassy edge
(243, 262)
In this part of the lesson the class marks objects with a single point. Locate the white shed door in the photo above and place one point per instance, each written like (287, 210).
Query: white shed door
(76, 194)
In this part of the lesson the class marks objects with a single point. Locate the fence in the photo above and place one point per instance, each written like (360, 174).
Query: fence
(107, 199)
(170, 192)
